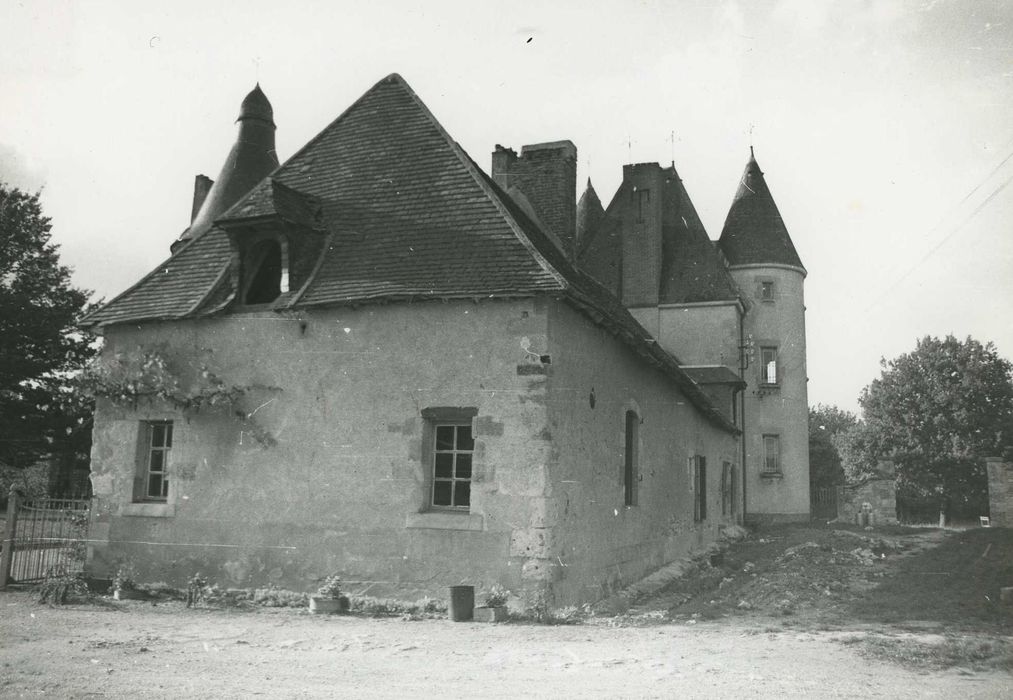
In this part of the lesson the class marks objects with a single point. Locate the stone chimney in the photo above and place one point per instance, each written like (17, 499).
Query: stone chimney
(201, 186)
(546, 175)
(643, 183)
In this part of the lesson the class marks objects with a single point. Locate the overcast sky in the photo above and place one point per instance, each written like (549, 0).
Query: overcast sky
(883, 127)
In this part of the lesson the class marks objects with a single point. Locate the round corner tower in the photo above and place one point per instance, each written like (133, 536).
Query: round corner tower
(775, 409)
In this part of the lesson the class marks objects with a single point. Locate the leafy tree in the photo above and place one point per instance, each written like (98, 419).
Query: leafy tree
(40, 347)
(826, 423)
(938, 412)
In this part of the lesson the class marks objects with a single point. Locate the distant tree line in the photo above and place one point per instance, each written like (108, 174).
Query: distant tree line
(45, 424)
(936, 413)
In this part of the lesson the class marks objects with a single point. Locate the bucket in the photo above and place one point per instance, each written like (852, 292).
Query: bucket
(462, 603)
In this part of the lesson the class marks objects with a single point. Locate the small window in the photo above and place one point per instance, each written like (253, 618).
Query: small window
(154, 467)
(767, 291)
(699, 488)
(264, 283)
(771, 454)
(630, 466)
(453, 450)
(768, 365)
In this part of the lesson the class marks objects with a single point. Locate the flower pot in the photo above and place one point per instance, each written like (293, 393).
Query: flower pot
(324, 606)
(493, 614)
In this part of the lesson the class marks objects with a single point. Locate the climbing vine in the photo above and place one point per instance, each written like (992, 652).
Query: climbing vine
(145, 375)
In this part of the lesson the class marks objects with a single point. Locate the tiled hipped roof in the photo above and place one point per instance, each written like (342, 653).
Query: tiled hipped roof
(412, 217)
(754, 232)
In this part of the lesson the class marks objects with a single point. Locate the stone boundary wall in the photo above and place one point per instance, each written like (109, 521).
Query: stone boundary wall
(870, 502)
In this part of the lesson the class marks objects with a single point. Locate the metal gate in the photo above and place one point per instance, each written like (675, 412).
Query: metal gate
(823, 502)
(44, 537)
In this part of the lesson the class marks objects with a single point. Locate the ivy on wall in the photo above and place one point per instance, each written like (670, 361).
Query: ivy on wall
(127, 379)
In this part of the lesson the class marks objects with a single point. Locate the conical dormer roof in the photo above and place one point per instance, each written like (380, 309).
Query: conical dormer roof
(251, 159)
(589, 212)
(754, 233)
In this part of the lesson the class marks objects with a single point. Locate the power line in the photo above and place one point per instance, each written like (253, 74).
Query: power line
(958, 227)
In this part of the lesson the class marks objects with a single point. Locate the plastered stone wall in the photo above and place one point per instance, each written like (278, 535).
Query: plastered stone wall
(781, 410)
(346, 486)
(1000, 492)
(594, 543)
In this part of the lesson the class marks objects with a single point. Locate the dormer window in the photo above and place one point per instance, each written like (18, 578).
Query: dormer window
(266, 274)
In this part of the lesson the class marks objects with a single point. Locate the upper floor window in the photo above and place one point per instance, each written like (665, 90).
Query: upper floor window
(768, 365)
(631, 457)
(265, 278)
(767, 291)
(154, 465)
(771, 454)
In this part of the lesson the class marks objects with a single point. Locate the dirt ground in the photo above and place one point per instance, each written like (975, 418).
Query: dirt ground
(693, 639)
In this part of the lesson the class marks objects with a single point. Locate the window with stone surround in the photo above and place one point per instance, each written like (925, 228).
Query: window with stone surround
(450, 452)
(771, 454)
(152, 482)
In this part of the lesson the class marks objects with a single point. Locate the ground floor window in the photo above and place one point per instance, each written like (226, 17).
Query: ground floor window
(727, 488)
(450, 451)
(699, 488)
(452, 457)
(154, 465)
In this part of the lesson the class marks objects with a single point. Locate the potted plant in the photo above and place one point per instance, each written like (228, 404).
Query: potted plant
(494, 609)
(124, 586)
(328, 598)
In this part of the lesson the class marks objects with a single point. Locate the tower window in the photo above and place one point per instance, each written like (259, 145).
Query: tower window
(767, 291)
(771, 454)
(768, 365)
(265, 273)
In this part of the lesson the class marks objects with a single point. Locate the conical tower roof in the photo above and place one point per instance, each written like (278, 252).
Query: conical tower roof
(251, 159)
(754, 233)
(589, 212)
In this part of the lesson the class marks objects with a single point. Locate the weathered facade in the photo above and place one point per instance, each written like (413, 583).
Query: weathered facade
(735, 305)
(420, 384)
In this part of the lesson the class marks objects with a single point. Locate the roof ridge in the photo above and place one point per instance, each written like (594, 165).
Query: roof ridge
(481, 180)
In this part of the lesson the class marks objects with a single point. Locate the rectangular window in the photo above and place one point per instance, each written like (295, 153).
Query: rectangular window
(726, 488)
(771, 454)
(699, 488)
(767, 291)
(630, 466)
(453, 450)
(768, 365)
(155, 465)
